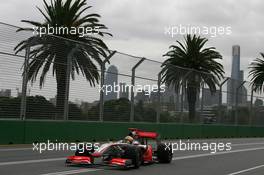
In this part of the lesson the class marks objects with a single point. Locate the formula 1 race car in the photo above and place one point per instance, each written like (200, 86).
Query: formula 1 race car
(126, 155)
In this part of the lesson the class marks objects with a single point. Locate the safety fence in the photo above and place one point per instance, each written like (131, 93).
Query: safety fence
(28, 132)
(118, 87)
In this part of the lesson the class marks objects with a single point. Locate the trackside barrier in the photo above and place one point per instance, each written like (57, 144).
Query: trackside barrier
(21, 132)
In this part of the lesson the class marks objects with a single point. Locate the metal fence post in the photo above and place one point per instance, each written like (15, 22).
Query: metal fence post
(251, 107)
(236, 112)
(24, 85)
(101, 112)
(132, 110)
(202, 103)
(220, 99)
(182, 100)
(159, 98)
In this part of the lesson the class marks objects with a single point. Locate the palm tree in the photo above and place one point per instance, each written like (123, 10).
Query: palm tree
(51, 51)
(189, 64)
(257, 73)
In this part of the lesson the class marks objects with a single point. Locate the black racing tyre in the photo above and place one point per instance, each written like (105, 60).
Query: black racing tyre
(83, 152)
(133, 153)
(164, 153)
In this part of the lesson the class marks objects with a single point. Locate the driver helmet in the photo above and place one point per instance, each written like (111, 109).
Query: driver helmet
(135, 143)
(129, 139)
(134, 135)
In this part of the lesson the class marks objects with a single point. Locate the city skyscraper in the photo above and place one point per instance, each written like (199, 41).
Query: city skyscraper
(236, 74)
(124, 90)
(237, 77)
(111, 79)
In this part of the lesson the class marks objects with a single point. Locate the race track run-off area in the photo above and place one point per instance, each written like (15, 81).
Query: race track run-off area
(245, 158)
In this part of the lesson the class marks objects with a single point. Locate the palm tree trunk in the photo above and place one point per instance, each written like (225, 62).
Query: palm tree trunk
(191, 95)
(61, 90)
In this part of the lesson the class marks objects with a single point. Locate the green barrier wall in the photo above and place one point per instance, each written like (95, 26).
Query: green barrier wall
(18, 132)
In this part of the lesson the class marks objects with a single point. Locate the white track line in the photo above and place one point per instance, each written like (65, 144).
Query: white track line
(248, 144)
(247, 170)
(215, 154)
(31, 161)
(72, 172)
(15, 149)
(175, 158)
(31, 148)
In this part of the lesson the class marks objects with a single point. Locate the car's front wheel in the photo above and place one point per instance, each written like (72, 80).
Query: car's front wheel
(133, 153)
(164, 153)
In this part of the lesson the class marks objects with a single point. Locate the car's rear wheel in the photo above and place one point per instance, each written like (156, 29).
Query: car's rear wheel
(164, 153)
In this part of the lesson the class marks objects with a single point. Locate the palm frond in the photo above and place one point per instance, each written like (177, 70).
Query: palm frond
(49, 51)
(192, 55)
(257, 74)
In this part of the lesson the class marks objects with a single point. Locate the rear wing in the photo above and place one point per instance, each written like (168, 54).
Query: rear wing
(144, 134)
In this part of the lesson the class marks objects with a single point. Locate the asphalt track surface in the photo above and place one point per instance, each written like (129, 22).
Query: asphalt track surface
(245, 158)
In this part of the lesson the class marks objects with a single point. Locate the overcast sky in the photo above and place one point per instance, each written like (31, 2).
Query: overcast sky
(138, 25)
(138, 28)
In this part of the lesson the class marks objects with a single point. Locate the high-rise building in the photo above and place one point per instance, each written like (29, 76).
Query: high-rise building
(237, 77)
(242, 94)
(124, 90)
(169, 99)
(111, 79)
(236, 74)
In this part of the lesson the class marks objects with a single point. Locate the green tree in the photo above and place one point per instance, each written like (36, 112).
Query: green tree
(144, 113)
(117, 110)
(258, 103)
(257, 73)
(38, 107)
(75, 112)
(201, 66)
(51, 51)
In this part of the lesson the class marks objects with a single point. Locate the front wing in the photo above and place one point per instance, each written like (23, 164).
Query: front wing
(88, 160)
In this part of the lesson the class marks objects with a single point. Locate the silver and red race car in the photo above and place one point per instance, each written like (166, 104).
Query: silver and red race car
(146, 149)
